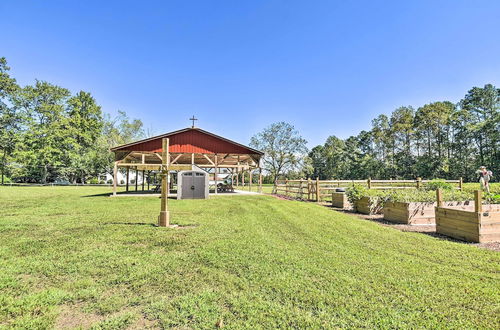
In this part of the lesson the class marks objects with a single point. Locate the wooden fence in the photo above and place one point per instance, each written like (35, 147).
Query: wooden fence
(319, 189)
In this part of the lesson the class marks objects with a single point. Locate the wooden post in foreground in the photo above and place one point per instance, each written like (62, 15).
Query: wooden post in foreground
(439, 197)
(419, 182)
(164, 218)
(369, 181)
(478, 201)
(317, 189)
(115, 174)
(461, 183)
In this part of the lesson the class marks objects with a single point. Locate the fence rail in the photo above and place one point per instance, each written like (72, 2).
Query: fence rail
(318, 189)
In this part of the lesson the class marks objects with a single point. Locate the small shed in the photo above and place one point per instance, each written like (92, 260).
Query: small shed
(192, 185)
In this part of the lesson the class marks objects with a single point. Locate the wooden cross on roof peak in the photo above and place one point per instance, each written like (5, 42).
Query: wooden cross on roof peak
(193, 119)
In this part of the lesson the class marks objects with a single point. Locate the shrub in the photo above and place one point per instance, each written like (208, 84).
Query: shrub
(438, 184)
(110, 181)
(122, 182)
(93, 181)
(427, 196)
(6, 180)
(492, 198)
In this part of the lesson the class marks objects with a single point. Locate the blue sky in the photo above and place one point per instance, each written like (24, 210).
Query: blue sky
(327, 67)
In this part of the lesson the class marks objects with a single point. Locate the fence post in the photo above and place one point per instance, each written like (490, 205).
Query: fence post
(439, 197)
(369, 183)
(286, 187)
(317, 190)
(309, 184)
(461, 183)
(478, 201)
(419, 182)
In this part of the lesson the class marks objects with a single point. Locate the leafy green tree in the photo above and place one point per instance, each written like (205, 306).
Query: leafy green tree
(283, 146)
(84, 127)
(9, 118)
(45, 134)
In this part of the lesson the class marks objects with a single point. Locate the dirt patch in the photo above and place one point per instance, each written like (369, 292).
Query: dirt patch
(71, 317)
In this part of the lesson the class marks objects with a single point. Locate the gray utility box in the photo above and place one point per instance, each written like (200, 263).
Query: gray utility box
(192, 185)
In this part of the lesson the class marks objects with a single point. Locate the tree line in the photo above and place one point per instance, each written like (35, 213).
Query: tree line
(438, 140)
(48, 134)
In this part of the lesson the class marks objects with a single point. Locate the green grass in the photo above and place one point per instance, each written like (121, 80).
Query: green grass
(68, 258)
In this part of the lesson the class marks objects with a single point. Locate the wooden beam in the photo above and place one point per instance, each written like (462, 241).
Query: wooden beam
(164, 218)
(478, 201)
(211, 162)
(128, 170)
(142, 180)
(176, 158)
(115, 174)
(439, 197)
(136, 178)
(215, 171)
(260, 180)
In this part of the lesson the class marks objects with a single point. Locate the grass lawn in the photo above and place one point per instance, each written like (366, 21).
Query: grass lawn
(71, 257)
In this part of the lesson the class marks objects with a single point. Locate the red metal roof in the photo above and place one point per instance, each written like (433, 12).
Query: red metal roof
(189, 140)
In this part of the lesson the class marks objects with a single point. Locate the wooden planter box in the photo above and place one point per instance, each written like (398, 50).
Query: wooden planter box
(366, 206)
(414, 213)
(339, 199)
(468, 225)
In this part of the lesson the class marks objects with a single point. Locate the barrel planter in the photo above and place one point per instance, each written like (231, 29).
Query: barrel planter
(415, 213)
(469, 225)
(367, 205)
(339, 199)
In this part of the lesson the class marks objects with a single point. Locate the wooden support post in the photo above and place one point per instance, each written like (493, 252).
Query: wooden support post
(300, 188)
(115, 174)
(478, 201)
(286, 186)
(419, 182)
(318, 196)
(136, 178)
(369, 181)
(260, 180)
(250, 180)
(461, 183)
(215, 173)
(164, 218)
(192, 159)
(243, 179)
(143, 180)
(439, 197)
(149, 178)
(126, 180)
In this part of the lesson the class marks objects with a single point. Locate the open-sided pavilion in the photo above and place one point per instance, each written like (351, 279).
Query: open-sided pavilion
(189, 149)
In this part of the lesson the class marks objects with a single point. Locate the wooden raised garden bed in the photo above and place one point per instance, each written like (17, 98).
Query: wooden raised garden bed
(366, 205)
(414, 213)
(478, 223)
(339, 199)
